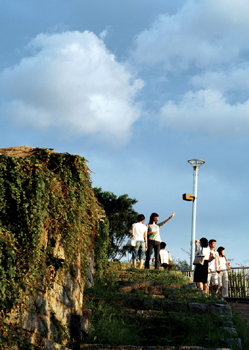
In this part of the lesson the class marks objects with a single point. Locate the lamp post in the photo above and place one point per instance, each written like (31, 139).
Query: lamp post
(196, 163)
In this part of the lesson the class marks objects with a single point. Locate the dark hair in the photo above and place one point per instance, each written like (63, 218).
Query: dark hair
(211, 241)
(219, 250)
(152, 217)
(140, 217)
(204, 242)
(162, 245)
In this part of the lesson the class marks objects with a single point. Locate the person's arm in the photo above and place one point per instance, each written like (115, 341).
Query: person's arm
(228, 264)
(217, 262)
(196, 244)
(145, 238)
(132, 232)
(151, 232)
(165, 221)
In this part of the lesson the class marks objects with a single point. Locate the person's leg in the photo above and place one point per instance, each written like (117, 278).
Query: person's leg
(205, 287)
(220, 277)
(142, 254)
(148, 254)
(224, 291)
(141, 264)
(200, 285)
(212, 281)
(215, 283)
(209, 277)
(157, 251)
(135, 254)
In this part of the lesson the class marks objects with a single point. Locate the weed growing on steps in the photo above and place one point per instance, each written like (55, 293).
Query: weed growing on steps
(156, 325)
(112, 326)
(156, 275)
(242, 328)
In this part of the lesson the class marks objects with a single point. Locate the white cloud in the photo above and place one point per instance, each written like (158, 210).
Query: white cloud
(72, 82)
(233, 79)
(203, 50)
(104, 33)
(204, 33)
(207, 111)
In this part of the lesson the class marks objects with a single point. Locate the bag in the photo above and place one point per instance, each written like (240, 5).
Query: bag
(211, 259)
(199, 260)
(131, 243)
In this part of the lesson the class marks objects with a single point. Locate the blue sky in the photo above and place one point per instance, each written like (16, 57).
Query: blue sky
(138, 87)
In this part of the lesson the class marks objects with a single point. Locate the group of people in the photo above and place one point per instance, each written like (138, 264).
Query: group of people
(214, 269)
(147, 239)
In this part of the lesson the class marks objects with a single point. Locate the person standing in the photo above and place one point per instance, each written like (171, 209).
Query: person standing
(201, 271)
(154, 239)
(223, 274)
(213, 266)
(164, 256)
(139, 233)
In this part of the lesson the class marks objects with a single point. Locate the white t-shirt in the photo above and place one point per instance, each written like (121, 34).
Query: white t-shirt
(164, 256)
(154, 228)
(213, 265)
(139, 230)
(223, 263)
(204, 252)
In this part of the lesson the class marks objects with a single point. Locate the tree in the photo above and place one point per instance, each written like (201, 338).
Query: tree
(180, 265)
(121, 216)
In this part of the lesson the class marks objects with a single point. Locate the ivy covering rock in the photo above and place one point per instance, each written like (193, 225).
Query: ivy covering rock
(49, 220)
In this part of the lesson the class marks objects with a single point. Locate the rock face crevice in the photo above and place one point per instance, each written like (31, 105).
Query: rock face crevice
(55, 316)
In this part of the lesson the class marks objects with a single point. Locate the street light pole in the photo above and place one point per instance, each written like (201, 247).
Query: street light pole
(196, 163)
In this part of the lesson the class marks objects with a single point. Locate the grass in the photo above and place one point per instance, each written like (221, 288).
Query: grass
(242, 328)
(112, 326)
(152, 275)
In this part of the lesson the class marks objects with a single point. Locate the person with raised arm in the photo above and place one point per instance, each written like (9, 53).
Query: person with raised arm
(154, 239)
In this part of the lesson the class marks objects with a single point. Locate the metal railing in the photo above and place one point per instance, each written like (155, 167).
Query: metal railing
(238, 281)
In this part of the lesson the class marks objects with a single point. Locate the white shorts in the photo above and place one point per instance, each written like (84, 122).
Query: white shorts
(213, 276)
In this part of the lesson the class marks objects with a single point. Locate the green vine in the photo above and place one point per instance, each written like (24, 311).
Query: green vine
(46, 200)
(101, 244)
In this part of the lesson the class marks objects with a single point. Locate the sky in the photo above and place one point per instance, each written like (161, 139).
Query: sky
(138, 88)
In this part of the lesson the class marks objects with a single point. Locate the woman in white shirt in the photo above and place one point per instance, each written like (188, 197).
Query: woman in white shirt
(154, 239)
(201, 271)
(223, 274)
(139, 233)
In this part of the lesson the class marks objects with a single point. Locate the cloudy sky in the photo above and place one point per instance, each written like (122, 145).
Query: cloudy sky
(138, 87)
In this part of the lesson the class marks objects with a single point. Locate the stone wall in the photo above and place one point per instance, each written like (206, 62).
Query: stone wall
(55, 314)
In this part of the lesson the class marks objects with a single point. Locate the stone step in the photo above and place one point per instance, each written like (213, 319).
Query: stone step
(147, 295)
(154, 287)
(41, 343)
(149, 283)
(160, 319)
(149, 302)
(133, 347)
(167, 307)
(137, 277)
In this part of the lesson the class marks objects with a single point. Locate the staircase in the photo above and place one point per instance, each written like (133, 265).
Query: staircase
(149, 309)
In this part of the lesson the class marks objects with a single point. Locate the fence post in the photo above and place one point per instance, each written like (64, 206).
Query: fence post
(245, 285)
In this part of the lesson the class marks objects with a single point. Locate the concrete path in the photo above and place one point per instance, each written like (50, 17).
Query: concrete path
(243, 309)
(240, 304)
